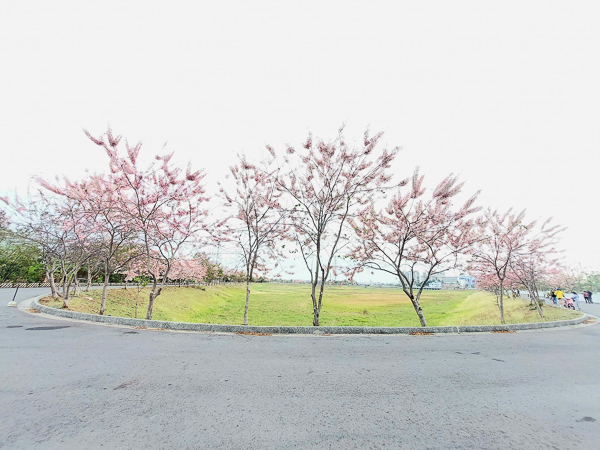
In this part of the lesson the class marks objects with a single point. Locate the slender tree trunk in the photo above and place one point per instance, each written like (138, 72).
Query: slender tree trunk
(538, 307)
(247, 301)
(316, 309)
(316, 315)
(77, 288)
(152, 297)
(64, 285)
(89, 278)
(534, 294)
(104, 289)
(316, 312)
(320, 303)
(416, 304)
(66, 290)
(501, 305)
(137, 299)
(50, 277)
(150, 305)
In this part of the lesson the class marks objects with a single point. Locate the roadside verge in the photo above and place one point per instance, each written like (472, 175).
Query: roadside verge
(218, 328)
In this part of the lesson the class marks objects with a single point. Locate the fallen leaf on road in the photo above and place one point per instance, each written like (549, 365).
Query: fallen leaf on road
(251, 333)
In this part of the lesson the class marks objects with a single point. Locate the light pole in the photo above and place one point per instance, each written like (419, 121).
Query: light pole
(12, 302)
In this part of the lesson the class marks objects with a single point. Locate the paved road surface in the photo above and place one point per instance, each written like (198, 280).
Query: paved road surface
(70, 385)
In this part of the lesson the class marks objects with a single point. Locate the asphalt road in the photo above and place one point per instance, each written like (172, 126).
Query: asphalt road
(72, 385)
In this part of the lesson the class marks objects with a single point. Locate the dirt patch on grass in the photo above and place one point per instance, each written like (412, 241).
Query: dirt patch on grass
(252, 333)
(504, 331)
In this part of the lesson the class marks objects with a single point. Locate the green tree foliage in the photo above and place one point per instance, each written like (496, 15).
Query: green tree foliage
(214, 271)
(589, 281)
(19, 261)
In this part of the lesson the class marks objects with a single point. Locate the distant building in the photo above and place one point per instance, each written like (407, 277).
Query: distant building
(462, 281)
(467, 281)
(433, 285)
(418, 277)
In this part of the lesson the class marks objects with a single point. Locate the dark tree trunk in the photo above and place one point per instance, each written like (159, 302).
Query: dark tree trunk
(501, 304)
(151, 299)
(316, 309)
(247, 302)
(104, 289)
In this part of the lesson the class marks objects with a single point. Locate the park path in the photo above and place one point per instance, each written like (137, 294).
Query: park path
(71, 385)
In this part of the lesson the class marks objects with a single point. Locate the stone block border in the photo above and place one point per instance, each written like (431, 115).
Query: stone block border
(216, 328)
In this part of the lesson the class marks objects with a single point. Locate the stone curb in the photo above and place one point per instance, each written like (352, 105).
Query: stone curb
(207, 327)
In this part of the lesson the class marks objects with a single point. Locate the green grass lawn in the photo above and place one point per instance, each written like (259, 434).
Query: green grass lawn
(288, 304)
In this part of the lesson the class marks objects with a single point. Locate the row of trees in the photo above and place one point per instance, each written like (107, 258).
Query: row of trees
(318, 201)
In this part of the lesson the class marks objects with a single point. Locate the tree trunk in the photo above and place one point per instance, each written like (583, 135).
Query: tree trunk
(501, 305)
(77, 288)
(319, 303)
(89, 279)
(247, 301)
(316, 315)
(66, 290)
(104, 289)
(419, 311)
(533, 293)
(316, 309)
(150, 306)
(539, 308)
(154, 293)
(63, 283)
(50, 278)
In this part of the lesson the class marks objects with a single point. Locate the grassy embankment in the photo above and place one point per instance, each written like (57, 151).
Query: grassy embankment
(285, 304)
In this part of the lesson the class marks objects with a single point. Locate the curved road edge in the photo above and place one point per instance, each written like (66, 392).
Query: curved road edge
(33, 303)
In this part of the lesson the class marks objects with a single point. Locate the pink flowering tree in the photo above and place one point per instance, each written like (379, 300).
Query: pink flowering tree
(58, 228)
(100, 199)
(510, 246)
(325, 183)
(257, 224)
(76, 244)
(163, 202)
(538, 260)
(188, 269)
(564, 277)
(415, 232)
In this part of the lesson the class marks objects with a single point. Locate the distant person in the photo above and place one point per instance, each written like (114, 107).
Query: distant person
(559, 296)
(553, 297)
(575, 298)
(590, 297)
(586, 297)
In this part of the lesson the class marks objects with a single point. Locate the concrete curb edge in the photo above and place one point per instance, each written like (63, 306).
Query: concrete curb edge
(218, 328)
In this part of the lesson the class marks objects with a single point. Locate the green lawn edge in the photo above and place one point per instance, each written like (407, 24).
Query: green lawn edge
(290, 305)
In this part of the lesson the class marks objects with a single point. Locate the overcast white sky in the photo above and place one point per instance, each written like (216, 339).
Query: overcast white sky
(506, 93)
